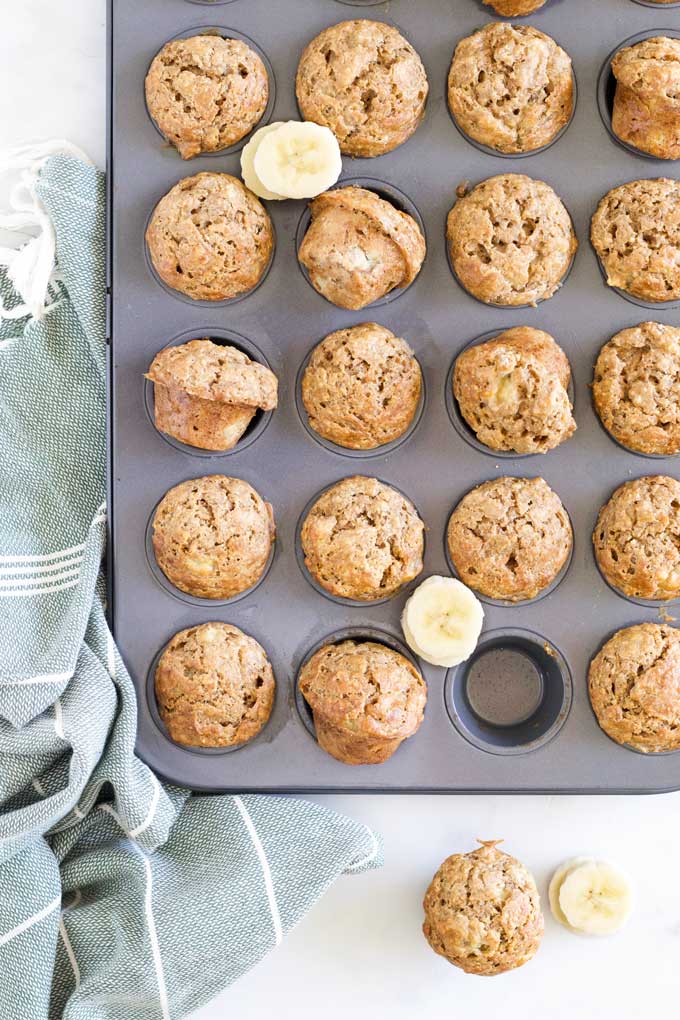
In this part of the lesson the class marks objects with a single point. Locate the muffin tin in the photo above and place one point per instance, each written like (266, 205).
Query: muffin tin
(516, 717)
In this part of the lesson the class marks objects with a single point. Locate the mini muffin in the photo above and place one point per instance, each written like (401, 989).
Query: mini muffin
(636, 388)
(636, 236)
(358, 247)
(214, 686)
(212, 536)
(361, 387)
(206, 394)
(363, 540)
(365, 699)
(510, 87)
(483, 912)
(206, 93)
(637, 538)
(509, 538)
(512, 391)
(511, 240)
(514, 8)
(634, 686)
(647, 100)
(366, 83)
(210, 238)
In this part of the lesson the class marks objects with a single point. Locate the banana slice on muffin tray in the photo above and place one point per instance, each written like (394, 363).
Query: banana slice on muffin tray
(291, 159)
(590, 897)
(442, 621)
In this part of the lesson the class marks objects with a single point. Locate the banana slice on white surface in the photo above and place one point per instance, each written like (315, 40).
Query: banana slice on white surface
(593, 896)
(442, 621)
(555, 884)
(298, 160)
(250, 178)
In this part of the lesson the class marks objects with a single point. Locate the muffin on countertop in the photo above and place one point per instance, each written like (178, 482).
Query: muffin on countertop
(359, 247)
(366, 699)
(361, 387)
(205, 93)
(634, 686)
(212, 536)
(483, 912)
(511, 240)
(206, 394)
(210, 238)
(362, 540)
(510, 87)
(636, 388)
(637, 538)
(366, 83)
(646, 110)
(214, 686)
(515, 8)
(512, 391)
(509, 538)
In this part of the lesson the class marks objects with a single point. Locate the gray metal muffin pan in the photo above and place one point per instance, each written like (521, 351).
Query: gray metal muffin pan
(516, 717)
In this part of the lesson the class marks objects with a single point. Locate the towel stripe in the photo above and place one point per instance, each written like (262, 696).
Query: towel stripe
(44, 557)
(69, 952)
(45, 568)
(30, 922)
(264, 864)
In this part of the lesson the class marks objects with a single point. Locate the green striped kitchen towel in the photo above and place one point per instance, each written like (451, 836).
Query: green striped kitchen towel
(120, 897)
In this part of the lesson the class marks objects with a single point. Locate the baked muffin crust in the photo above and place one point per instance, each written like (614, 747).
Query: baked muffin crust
(509, 538)
(515, 8)
(210, 238)
(636, 388)
(205, 93)
(214, 686)
(212, 536)
(510, 87)
(361, 387)
(483, 912)
(634, 686)
(646, 110)
(362, 540)
(637, 538)
(511, 240)
(366, 83)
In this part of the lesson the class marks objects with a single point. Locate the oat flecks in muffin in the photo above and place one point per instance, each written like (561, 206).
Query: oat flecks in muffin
(511, 240)
(210, 238)
(646, 110)
(214, 686)
(205, 93)
(363, 540)
(361, 387)
(510, 87)
(212, 536)
(636, 388)
(366, 83)
(366, 699)
(509, 538)
(359, 247)
(515, 8)
(512, 391)
(637, 538)
(482, 911)
(634, 685)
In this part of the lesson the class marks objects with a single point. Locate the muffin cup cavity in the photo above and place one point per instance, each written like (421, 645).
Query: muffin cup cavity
(512, 696)
(656, 6)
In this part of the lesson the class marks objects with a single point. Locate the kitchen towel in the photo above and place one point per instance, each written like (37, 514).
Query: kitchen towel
(120, 897)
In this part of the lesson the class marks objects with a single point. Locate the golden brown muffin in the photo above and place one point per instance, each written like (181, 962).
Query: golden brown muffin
(636, 235)
(636, 388)
(210, 238)
(511, 240)
(512, 391)
(515, 8)
(646, 110)
(366, 83)
(634, 686)
(509, 538)
(206, 394)
(363, 540)
(212, 536)
(358, 247)
(205, 93)
(637, 538)
(483, 912)
(361, 387)
(510, 87)
(214, 686)
(365, 698)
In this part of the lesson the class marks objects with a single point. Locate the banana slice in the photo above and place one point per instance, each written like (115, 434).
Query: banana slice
(554, 888)
(442, 621)
(298, 160)
(594, 897)
(250, 178)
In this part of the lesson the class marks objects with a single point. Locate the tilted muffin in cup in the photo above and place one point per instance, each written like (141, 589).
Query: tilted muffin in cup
(646, 110)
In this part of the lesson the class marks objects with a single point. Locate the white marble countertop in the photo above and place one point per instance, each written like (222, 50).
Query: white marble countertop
(360, 951)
